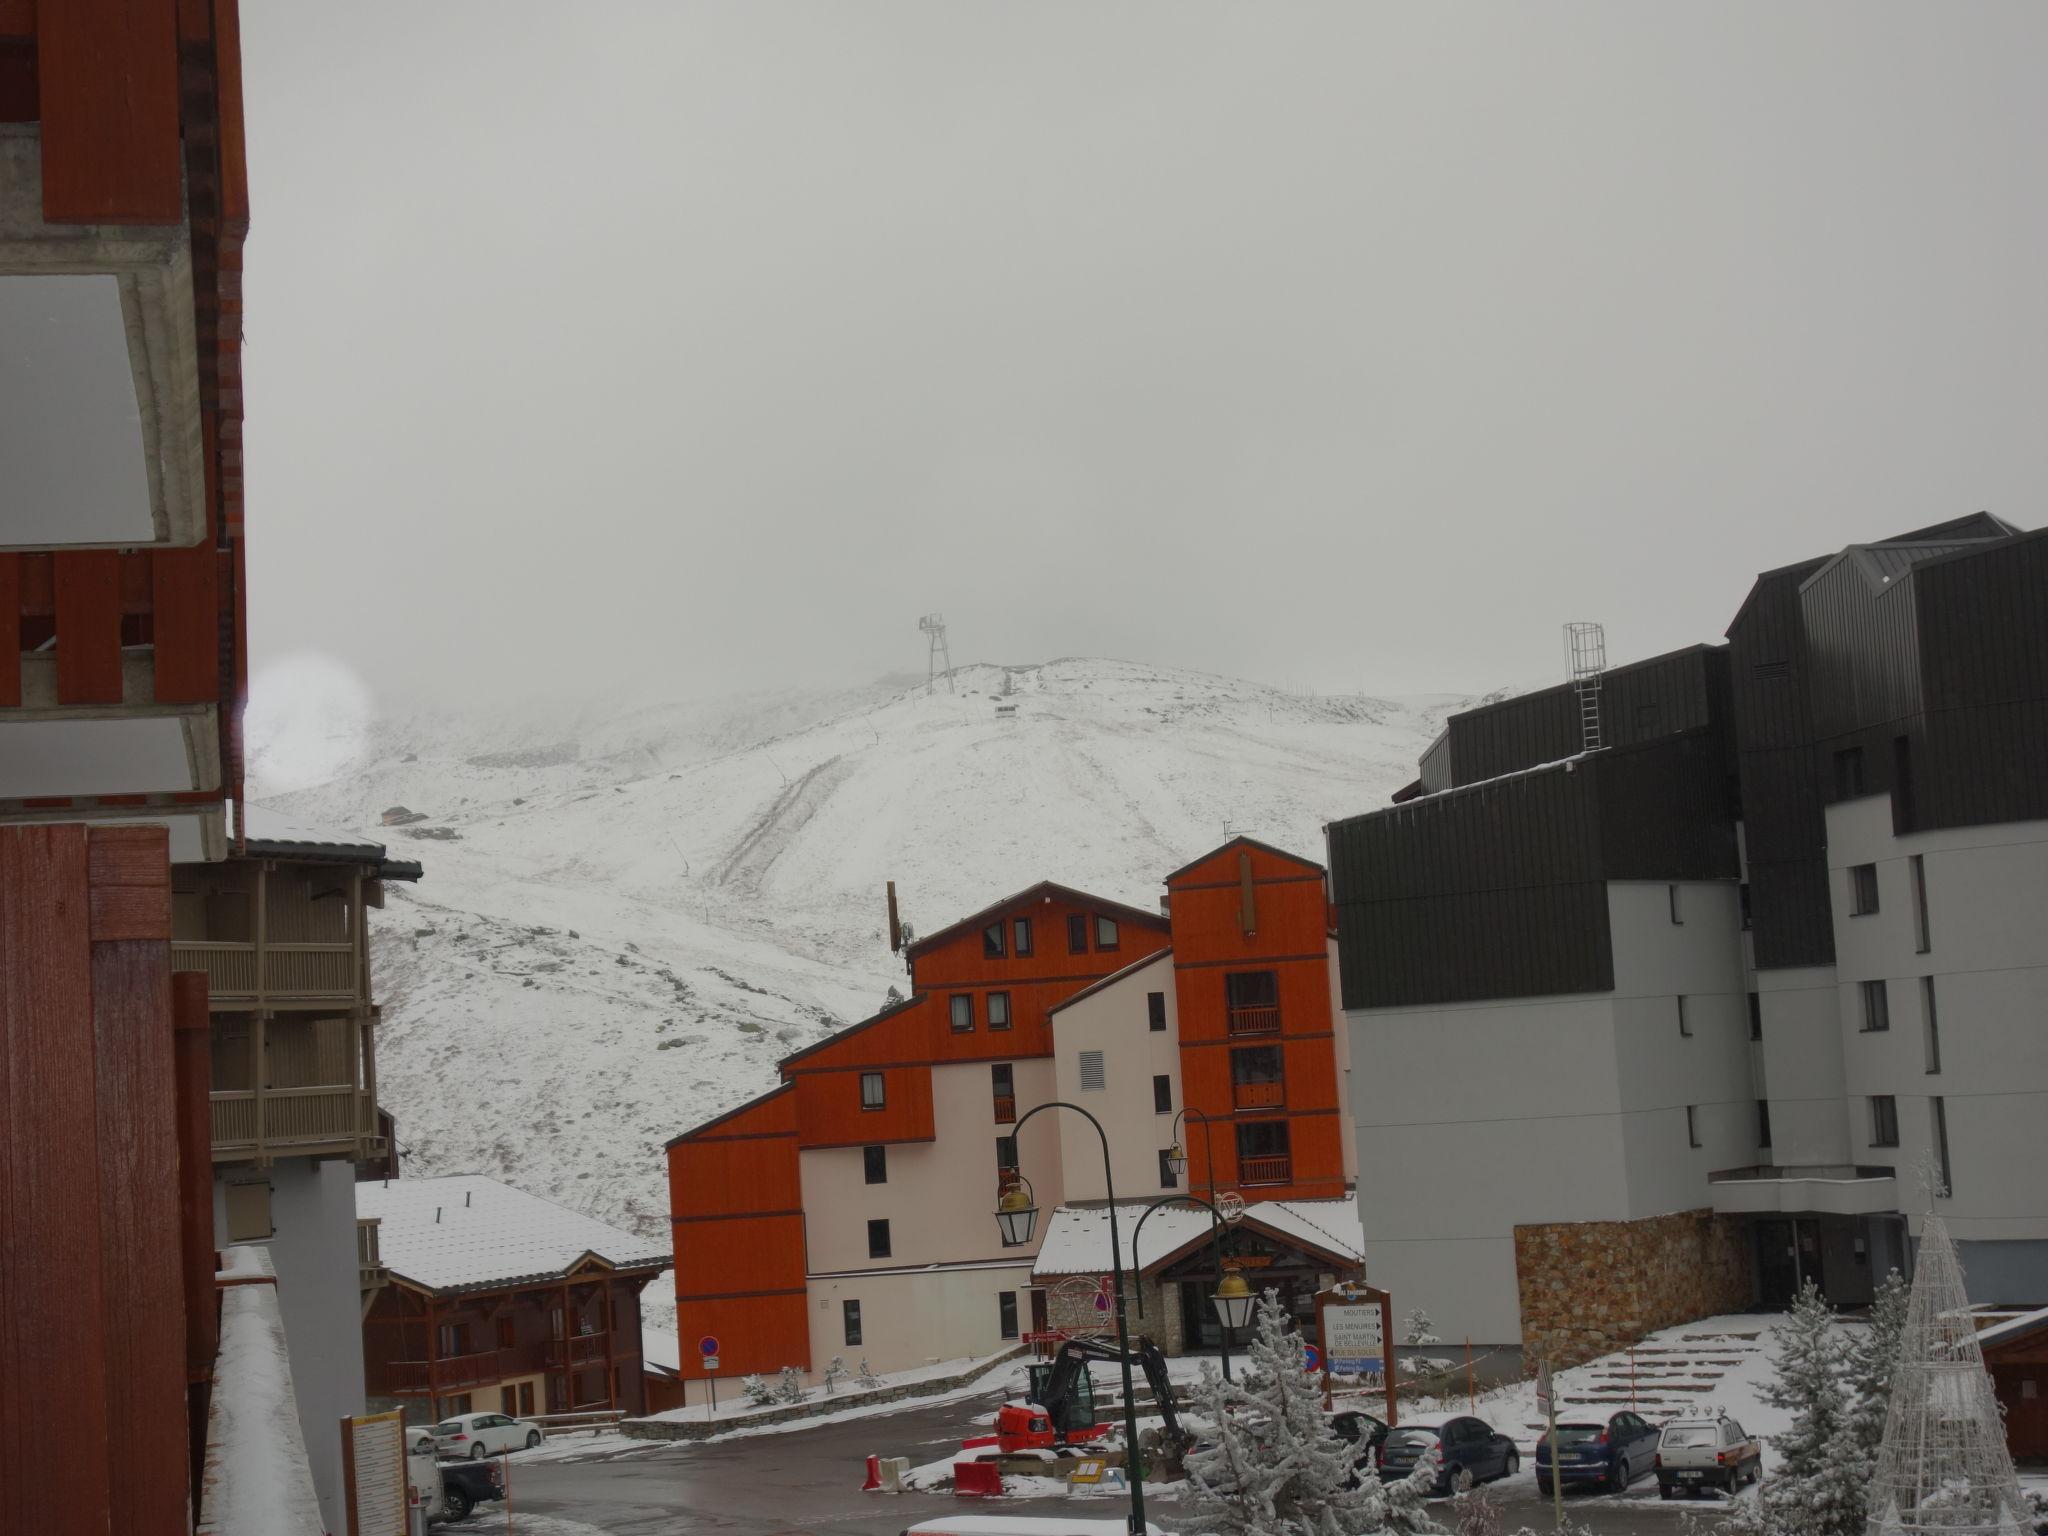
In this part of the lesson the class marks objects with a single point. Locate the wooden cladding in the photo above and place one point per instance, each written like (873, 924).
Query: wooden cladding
(88, 607)
(108, 73)
(92, 1263)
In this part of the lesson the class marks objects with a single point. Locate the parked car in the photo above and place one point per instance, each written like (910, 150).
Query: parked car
(1464, 1451)
(450, 1490)
(1365, 1433)
(1711, 1451)
(1612, 1453)
(485, 1434)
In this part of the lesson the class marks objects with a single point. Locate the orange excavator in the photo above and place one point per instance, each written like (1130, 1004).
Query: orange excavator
(1060, 1411)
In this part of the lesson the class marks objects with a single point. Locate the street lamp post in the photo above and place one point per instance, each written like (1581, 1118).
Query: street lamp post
(1233, 1298)
(1016, 1214)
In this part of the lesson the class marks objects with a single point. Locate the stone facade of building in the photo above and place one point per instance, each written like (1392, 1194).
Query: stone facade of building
(1070, 1307)
(1591, 1287)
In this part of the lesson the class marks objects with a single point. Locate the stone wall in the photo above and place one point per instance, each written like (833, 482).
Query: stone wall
(1590, 1287)
(1072, 1309)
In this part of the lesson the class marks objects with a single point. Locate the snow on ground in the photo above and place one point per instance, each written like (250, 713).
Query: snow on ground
(630, 912)
(989, 1373)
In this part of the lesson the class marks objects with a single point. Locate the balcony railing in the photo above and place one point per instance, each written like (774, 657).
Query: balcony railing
(289, 972)
(583, 1349)
(1006, 1109)
(1262, 1020)
(290, 1120)
(456, 1373)
(1258, 1095)
(371, 1274)
(1265, 1170)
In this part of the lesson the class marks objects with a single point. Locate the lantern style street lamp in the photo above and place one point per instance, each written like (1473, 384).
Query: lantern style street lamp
(1017, 1217)
(1177, 1159)
(1233, 1300)
(1177, 1154)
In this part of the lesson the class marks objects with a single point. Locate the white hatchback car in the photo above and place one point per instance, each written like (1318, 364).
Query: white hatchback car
(474, 1435)
(1710, 1451)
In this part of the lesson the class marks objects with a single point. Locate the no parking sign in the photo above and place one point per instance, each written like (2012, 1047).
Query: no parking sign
(708, 1348)
(1311, 1358)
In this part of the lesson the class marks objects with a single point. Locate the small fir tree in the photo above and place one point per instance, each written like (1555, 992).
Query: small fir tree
(1819, 1486)
(835, 1373)
(757, 1391)
(1873, 1359)
(869, 1381)
(1275, 1468)
(789, 1386)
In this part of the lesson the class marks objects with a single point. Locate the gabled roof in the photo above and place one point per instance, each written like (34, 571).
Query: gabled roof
(1134, 915)
(1077, 1237)
(1975, 528)
(1245, 842)
(738, 1109)
(838, 1035)
(471, 1233)
(1112, 979)
(1882, 564)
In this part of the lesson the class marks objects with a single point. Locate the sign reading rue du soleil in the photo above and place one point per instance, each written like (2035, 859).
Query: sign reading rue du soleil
(1352, 1341)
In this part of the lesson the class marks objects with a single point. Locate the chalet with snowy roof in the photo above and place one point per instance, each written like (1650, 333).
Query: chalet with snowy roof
(502, 1301)
(850, 1210)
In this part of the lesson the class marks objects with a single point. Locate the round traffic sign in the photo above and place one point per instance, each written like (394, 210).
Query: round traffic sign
(1311, 1358)
(708, 1345)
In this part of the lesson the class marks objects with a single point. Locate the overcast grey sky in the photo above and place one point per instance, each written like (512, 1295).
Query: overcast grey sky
(1335, 344)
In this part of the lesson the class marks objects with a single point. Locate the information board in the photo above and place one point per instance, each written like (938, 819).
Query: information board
(1353, 1344)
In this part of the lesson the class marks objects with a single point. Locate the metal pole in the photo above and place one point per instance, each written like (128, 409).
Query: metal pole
(1471, 1392)
(1556, 1469)
(1133, 1463)
(1216, 1236)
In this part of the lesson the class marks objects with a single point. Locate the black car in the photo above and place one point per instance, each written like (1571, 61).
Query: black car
(1464, 1451)
(1364, 1433)
(466, 1484)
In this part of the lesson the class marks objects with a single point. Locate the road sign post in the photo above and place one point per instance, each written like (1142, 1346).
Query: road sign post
(1546, 1404)
(707, 1351)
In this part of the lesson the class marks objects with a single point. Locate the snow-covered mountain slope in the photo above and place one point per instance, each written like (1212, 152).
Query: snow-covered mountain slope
(629, 914)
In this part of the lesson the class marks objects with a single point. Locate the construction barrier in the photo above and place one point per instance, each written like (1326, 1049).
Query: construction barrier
(977, 1479)
(895, 1473)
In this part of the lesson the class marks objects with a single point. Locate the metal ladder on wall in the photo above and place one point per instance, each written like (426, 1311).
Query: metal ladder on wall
(1585, 645)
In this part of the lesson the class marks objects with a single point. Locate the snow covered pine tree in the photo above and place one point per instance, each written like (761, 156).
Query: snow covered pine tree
(1275, 1469)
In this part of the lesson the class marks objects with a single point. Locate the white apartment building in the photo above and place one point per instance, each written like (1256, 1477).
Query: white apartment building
(1679, 1007)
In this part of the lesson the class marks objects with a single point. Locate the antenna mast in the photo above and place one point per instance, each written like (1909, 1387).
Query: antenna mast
(1585, 648)
(934, 627)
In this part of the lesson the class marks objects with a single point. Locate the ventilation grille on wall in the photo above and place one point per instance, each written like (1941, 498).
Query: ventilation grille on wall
(1093, 1079)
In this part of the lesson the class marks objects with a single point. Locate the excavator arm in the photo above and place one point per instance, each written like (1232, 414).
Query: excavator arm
(1059, 1389)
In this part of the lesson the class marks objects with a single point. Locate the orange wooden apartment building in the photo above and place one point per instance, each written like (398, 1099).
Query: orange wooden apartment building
(849, 1211)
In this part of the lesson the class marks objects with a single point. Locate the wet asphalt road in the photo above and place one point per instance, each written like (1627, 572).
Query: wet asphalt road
(809, 1479)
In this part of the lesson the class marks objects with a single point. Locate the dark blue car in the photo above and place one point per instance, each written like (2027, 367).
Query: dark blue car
(1610, 1454)
(1463, 1451)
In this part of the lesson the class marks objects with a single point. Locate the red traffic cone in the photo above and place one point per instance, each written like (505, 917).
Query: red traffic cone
(874, 1482)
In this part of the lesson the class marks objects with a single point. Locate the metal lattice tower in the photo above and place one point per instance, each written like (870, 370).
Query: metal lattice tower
(1943, 1465)
(1585, 648)
(934, 627)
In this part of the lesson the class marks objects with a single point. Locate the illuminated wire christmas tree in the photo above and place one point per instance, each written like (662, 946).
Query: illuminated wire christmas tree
(1943, 1465)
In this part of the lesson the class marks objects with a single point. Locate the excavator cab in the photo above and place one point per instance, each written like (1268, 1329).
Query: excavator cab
(1071, 1405)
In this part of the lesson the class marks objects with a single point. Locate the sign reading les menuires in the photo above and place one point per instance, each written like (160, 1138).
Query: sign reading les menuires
(1353, 1341)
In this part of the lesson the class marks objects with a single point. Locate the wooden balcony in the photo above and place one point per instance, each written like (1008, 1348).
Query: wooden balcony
(1006, 1109)
(292, 1086)
(1258, 1095)
(272, 975)
(583, 1349)
(371, 1275)
(1263, 1020)
(439, 1378)
(1265, 1170)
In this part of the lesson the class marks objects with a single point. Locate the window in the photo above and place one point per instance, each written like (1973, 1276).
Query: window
(249, 1211)
(1002, 1078)
(872, 1093)
(1877, 1014)
(1006, 1313)
(1902, 784)
(849, 1320)
(508, 1399)
(526, 1399)
(1006, 1152)
(1168, 1179)
(999, 1010)
(508, 1335)
(455, 1407)
(874, 1162)
(1692, 1125)
(1020, 937)
(1263, 1153)
(1937, 1112)
(1884, 1120)
(1155, 1011)
(1763, 1122)
(1931, 1022)
(1849, 784)
(1677, 916)
(1077, 933)
(1684, 1018)
(454, 1340)
(1093, 1077)
(1162, 1095)
(1756, 1016)
(1862, 890)
(1105, 932)
(992, 942)
(962, 1004)
(878, 1239)
(1923, 939)
(1742, 892)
